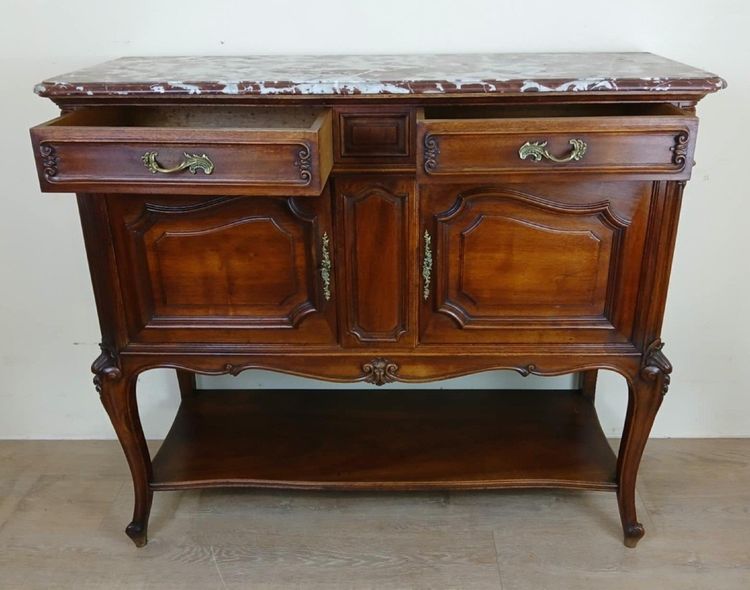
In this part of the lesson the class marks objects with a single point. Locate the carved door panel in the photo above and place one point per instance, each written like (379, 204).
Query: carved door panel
(376, 243)
(227, 269)
(545, 263)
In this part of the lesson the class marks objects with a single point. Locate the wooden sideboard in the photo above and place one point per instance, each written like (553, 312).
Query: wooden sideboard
(380, 219)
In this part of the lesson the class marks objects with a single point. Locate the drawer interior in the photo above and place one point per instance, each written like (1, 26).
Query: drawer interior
(196, 117)
(548, 111)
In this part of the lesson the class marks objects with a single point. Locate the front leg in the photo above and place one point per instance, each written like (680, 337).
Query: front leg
(646, 391)
(117, 391)
(187, 383)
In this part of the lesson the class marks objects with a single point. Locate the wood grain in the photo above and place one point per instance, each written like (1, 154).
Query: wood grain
(89, 151)
(658, 143)
(293, 438)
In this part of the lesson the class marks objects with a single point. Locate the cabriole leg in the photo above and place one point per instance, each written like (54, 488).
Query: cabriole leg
(646, 391)
(117, 390)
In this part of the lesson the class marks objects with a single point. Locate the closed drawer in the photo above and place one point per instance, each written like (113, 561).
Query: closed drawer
(374, 137)
(191, 149)
(637, 141)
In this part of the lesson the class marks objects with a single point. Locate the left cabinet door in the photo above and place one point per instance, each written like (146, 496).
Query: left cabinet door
(225, 269)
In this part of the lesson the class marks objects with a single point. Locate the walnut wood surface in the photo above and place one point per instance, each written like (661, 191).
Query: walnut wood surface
(305, 253)
(376, 237)
(374, 137)
(555, 263)
(656, 144)
(355, 440)
(84, 151)
(226, 269)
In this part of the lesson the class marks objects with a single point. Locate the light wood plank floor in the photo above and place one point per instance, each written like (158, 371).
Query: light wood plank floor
(63, 507)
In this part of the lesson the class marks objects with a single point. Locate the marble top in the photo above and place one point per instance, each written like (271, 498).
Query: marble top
(382, 74)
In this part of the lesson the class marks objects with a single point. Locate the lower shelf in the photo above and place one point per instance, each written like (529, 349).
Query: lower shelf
(385, 440)
(394, 440)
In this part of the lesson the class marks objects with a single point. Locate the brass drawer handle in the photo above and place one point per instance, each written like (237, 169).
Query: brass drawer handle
(427, 265)
(325, 266)
(193, 162)
(536, 150)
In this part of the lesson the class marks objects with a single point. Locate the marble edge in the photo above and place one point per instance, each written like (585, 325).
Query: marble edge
(65, 86)
(423, 87)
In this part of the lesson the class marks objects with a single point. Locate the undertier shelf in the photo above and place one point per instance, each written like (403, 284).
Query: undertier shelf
(385, 440)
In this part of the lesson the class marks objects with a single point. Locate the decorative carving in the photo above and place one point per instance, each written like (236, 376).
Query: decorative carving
(427, 265)
(527, 370)
(304, 163)
(49, 160)
(656, 364)
(431, 153)
(181, 207)
(106, 366)
(380, 371)
(679, 149)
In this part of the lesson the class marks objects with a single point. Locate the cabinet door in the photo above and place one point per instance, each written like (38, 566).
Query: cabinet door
(225, 269)
(543, 263)
(376, 221)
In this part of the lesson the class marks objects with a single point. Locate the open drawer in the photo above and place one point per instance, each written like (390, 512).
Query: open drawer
(637, 141)
(236, 150)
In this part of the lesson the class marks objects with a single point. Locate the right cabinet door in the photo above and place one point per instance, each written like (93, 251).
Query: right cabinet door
(533, 263)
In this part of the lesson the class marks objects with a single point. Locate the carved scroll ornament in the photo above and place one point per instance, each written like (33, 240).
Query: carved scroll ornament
(655, 364)
(380, 371)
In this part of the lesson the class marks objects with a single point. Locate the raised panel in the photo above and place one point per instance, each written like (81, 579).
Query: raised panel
(247, 262)
(376, 233)
(501, 265)
(366, 137)
(192, 268)
(515, 266)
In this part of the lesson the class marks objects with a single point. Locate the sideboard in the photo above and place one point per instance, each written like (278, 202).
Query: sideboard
(379, 219)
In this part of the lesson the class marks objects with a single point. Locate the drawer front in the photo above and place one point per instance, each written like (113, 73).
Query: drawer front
(529, 264)
(79, 153)
(225, 269)
(653, 147)
(384, 136)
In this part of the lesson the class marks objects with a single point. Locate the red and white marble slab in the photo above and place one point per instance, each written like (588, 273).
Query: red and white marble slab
(383, 75)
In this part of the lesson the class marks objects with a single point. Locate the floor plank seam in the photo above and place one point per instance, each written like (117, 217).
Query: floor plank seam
(218, 569)
(497, 561)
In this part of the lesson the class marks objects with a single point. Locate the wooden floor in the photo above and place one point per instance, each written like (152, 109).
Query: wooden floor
(64, 505)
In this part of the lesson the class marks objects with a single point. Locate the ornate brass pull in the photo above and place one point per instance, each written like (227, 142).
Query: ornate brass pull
(427, 265)
(536, 150)
(193, 162)
(325, 266)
